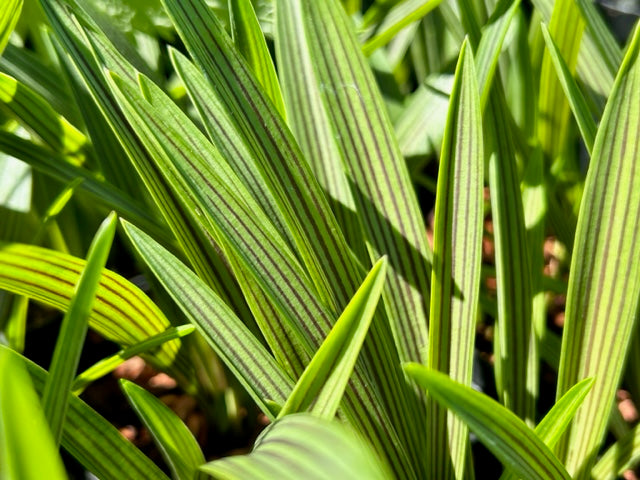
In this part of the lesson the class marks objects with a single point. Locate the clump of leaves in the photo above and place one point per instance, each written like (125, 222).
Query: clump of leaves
(277, 208)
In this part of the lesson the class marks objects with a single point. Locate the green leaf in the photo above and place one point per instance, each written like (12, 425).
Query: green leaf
(556, 421)
(56, 167)
(303, 446)
(38, 116)
(225, 136)
(604, 283)
(251, 43)
(122, 312)
(74, 328)
(457, 257)
(245, 356)
(109, 364)
(401, 15)
(319, 242)
(178, 212)
(508, 438)
(92, 440)
(9, 14)
(577, 102)
(622, 455)
(566, 26)
(303, 100)
(24, 432)
(490, 47)
(176, 442)
(325, 378)
(382, 190)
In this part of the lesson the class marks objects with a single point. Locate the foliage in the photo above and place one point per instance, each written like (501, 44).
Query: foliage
(273, 165)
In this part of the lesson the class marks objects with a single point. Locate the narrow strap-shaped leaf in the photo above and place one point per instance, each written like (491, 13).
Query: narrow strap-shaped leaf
(109, 364)
(493, 35)
(176, 443)
(249, 238)
(385, 199)
(457, 255)
(38, 116)
(577, 102)
(326, 376)
(309, 121)
(245, 356)
(509, 439)
(21, 442)
(121, 313)
(227, 140)
(515, 362)
(566, 26)
(319, 242)
(398, 17)
(9, 14)
(382, 190)
(178, 212)
(622, 455)
(55, 166)
(74, 328)
(93, 441)
(250, 41)
(604, 284)
(303, 446)
(556, 421)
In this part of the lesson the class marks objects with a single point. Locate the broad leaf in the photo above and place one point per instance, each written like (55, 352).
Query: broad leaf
(9, 14)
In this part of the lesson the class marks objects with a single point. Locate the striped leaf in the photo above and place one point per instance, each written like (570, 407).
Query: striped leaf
(508, 438)
(38, 117)
(382, 190)
(176, 443)
(92, 440)
(250, 42)
(309, 122)
(122, 312)
(515, 359)
(303, 446)
(319, 243)
(622, 455)
(178, 212)
(604, 284)
(577, 102)
(556, 421)
(73, 329)
(401, 15)
(248, 237)
(21, 442)
(457, 255)
(384, 198)
(322, 384)
(227, 139)
(245, 356)
(566, 26)
(109, 364)
(9, 14)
